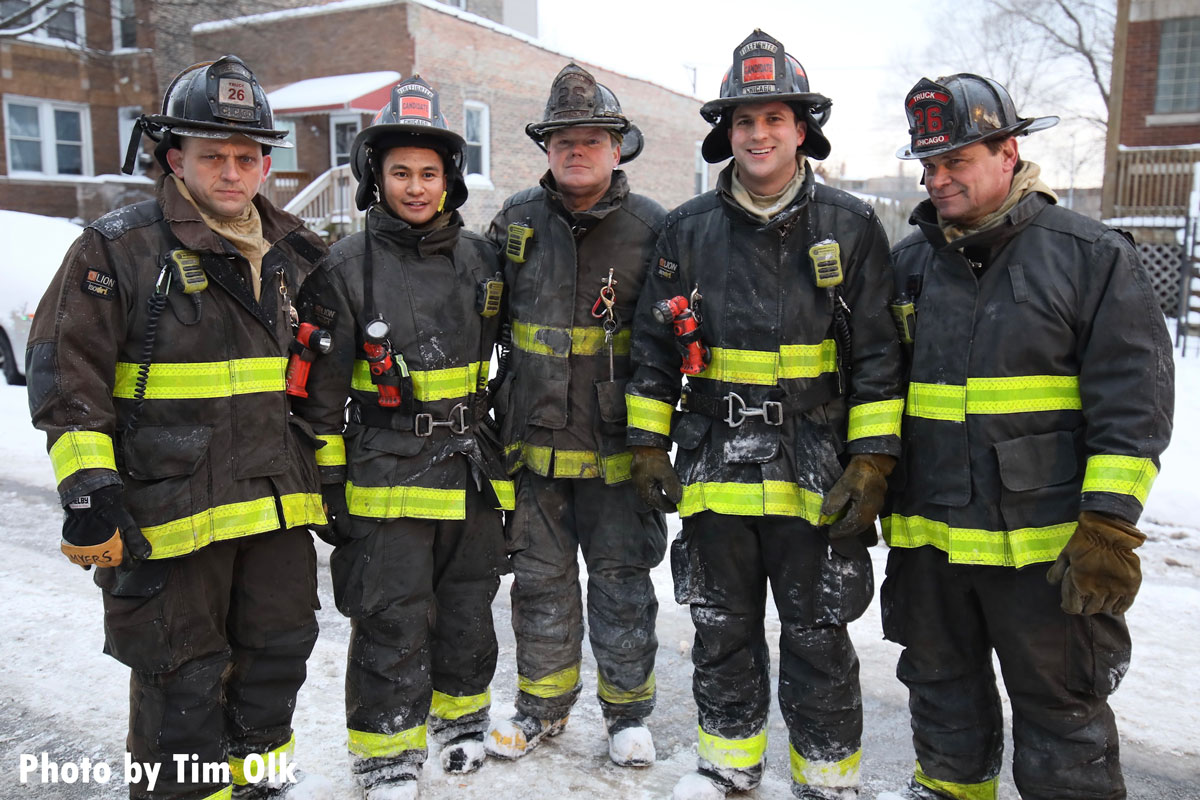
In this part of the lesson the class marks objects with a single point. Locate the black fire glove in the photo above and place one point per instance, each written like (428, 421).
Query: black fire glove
(98, 530)
(337, 532)
(654, 478)
(860, 491)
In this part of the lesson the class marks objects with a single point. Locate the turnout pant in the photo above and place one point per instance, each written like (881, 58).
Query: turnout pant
(217, 651)
(621, 541)
(422, 645)
(722, 565)
(1059, 670)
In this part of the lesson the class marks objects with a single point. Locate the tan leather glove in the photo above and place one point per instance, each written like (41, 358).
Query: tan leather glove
(1097, 567)
(654, 478)
(860, 491)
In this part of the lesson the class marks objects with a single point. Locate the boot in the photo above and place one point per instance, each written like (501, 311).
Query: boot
(698, 786)
(463, 754)
(629, 742)
(914, 791)
(515, 737)
(399, 789)
(308, 786)
(806, 791)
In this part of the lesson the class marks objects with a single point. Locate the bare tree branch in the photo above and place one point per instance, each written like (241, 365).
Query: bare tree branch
(8, 32)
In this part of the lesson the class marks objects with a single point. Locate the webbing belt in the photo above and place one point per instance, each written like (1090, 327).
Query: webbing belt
(732, 409)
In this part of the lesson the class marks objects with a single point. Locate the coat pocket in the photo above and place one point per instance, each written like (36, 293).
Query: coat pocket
(382, 457)
(610, 404)
(168, 474)
(689, 430)
(1038, 477)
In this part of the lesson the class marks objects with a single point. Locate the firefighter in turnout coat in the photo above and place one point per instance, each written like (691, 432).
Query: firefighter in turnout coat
(156, 368)
(576, 250)
(1040, 400)
(413, 481)
(788, 427)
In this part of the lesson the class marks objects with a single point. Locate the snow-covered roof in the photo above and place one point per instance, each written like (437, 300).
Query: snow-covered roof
(362, 91)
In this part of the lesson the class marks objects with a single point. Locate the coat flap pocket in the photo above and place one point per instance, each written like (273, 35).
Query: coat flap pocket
(610, 397)
(690, 430)
(1031, 462)
(302, 429)
(154, 452)
(400, 443)
(750, 443)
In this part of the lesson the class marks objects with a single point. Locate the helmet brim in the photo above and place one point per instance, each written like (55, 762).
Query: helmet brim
(206, 130)
(1020, 128)
(633, 141)
(716, 147)
(713, 110)
(373, 134)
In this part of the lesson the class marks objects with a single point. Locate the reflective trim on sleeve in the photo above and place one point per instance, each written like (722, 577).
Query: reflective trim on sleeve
(428, 384)
(589, 341)
(333, 454)
(1017, 548)
(380, 745)
(556, 684)
(649, 415)
(1120, 475)
(76, 450)
(832, 774)
(1020, 394)
(984, 790)
(881, 418)
(732, 753)
(611, 694)
(237, 766)
(773, 498)
(447, 706)
(203, 379)
(506, 493)
(393, 502)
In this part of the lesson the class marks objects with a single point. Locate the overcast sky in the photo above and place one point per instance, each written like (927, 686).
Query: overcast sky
(864, 54)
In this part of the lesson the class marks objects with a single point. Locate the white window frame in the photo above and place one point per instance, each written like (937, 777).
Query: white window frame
(116, 27)
(334, 121)
(46, 109)
(42, 34)
(482, 178)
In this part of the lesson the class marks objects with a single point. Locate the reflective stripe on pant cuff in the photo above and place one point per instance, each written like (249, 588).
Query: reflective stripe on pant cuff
(378, 745)
(986, 790)
(611, 694)
(237, 766)
(450, 707)
(732, 753)
(221, 794)
(843, 773)
(556, 684)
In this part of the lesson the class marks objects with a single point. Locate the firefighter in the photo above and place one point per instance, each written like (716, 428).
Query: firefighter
(413, 481)
(577, 246)
(156, 368)
(1040, 401)
(787, 429)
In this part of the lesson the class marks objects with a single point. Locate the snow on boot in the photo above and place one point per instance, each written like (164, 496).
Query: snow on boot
(697, 786)
(629, 742)
(515, 737)
(464, 753)
(308, 786)
(914, 791)
(402, 789)
(805, 791)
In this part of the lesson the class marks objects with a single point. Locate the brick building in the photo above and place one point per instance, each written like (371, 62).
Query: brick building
(491, 78)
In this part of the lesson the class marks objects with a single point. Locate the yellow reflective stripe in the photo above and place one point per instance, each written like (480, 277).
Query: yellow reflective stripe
(447, 706)
(76, 450)
(393, 502)
(881, 418)
(571, 463)
(807, 360)
(182, 536)
(556, 684)
(203, 379)
(985, 790)
(1120, 475)
(611, 694)
(1016, 548)
(617, 468)
(649, 415)
(842, 773)
(776, 498)
(506, 493)
(333, 454)
(587, 341)
(937, 401)
(732, 753)
(1021, 394)
(428, 384)
(378, 745)
(576, 464)
(237, 766)
(221, 794)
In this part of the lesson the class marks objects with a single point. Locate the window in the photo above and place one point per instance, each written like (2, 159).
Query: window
(64, 26)
(342, 130)
(477, 153)
(700, 170)
(284, 159)
(1178, 88)
(47, 137)
(124, 19)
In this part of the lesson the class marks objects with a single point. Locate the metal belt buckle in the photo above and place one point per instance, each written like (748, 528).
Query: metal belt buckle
(771, 411)
(456, 421)
(423, 424)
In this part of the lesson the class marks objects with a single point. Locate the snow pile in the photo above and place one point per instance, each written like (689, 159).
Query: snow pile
(34, 247)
